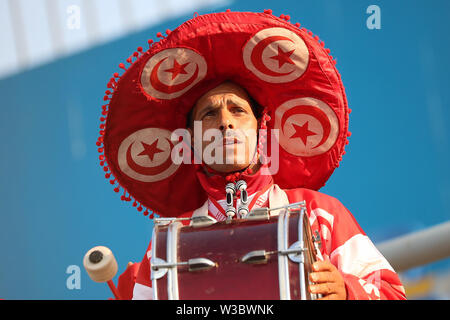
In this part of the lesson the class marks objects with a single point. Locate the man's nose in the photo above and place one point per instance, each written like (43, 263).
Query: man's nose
(225, 121)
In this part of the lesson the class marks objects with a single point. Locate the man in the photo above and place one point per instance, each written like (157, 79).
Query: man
(228, 107)
(289, 73)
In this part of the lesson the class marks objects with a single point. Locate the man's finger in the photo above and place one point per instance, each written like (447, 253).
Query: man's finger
(323, 266)
(320, 277)
(323, 288)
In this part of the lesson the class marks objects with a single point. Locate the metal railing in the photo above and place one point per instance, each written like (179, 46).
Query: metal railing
(417, 248)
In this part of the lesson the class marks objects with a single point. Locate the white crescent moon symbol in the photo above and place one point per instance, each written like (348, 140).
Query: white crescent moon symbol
(254, 48)
(148, 171)
(145, 173)
(257, 53)
(161, 87)
(155, 88)
(319, 114)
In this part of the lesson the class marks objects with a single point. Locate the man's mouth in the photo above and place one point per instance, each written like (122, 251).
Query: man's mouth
(231, 141)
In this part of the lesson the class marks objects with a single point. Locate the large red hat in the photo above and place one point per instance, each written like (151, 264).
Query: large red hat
(284, 67)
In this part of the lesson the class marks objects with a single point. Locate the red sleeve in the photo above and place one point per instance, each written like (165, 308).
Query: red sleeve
(143, 275)
(136, 273)
(143, 287)
(127, 280)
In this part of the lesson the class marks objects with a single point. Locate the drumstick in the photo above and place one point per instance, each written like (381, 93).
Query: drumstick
(101, 266)
(114, 289)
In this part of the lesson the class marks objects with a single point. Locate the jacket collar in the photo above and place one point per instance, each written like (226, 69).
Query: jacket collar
(214, 184)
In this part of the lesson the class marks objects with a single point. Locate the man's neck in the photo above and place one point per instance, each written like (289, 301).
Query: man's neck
(214, 184)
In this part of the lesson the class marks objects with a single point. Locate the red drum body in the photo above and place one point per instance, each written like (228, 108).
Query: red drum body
(235, 260)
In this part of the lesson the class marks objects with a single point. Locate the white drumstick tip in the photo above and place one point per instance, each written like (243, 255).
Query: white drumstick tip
(100, 264)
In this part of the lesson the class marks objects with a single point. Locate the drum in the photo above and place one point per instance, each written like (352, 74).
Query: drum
(266, 256)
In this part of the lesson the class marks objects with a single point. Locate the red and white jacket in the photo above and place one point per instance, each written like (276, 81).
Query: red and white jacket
(367, 274)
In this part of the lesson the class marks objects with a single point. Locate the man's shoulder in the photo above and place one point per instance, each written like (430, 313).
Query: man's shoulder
(299, 194)
(315, 199)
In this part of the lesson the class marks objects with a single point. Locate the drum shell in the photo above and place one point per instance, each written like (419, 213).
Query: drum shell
(225, 244)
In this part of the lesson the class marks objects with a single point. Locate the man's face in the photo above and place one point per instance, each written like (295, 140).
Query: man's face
(227, 109)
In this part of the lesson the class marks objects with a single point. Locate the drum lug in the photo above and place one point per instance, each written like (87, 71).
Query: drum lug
(262, 256)
(159, 267)
(255, 257)
(198, 264)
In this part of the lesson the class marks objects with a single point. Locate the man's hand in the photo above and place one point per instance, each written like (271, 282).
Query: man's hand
(328, 281)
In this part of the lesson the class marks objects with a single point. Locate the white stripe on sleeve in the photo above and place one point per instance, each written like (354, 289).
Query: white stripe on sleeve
(141, 292)
(359, 256)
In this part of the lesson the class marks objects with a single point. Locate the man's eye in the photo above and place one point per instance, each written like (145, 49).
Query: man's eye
(238, 110)
(209, 114)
